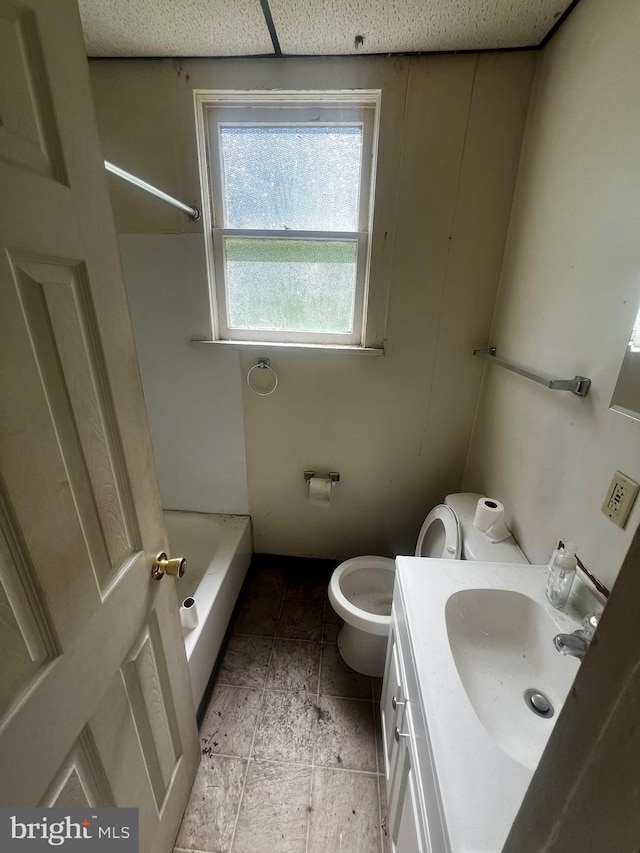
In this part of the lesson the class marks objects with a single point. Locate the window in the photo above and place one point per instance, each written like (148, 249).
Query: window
(289, 179)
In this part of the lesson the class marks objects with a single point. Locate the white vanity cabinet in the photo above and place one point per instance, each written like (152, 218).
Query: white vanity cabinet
(414, 815)
(460, 741)
(404, 820)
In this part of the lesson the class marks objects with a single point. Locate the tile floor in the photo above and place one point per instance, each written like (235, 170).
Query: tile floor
(291, 753)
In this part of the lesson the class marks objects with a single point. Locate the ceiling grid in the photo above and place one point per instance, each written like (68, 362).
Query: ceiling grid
(217, 28)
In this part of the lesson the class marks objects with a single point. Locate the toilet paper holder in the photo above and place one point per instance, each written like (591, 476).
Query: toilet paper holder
(334, 476)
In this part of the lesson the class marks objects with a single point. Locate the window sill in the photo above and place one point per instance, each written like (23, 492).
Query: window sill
(253, 346)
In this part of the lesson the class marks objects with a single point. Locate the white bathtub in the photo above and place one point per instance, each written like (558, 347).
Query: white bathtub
(218, 549)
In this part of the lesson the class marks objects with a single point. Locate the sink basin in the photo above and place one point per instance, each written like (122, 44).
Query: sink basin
(481, 635)
(502, 645)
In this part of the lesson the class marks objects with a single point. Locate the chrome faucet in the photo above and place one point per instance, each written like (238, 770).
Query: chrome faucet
(577, 643)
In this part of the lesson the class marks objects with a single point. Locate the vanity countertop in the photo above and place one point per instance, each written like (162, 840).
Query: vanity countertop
(480, 635)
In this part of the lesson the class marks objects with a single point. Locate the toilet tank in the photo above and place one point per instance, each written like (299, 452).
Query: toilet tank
(475, 545)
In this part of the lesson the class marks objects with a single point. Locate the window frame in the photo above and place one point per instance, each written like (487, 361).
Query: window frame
(216, 108)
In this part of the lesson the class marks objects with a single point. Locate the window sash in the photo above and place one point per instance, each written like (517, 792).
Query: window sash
(321, 116)
(225, 332)
(285, 108)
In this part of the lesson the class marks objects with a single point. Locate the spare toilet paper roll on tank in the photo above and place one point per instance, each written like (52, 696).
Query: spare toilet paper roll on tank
(489, 518)
(488, 511)
(319, 491)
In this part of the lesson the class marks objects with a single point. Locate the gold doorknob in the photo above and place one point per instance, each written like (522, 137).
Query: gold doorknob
(163, 566)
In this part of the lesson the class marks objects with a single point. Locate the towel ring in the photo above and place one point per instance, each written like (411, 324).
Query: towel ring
(262, 364)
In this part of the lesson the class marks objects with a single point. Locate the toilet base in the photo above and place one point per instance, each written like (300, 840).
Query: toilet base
(363, 652)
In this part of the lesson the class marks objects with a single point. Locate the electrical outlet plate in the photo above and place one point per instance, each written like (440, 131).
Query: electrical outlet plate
(620, 497)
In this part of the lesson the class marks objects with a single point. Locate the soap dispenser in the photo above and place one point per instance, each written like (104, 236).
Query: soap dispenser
(562, 571)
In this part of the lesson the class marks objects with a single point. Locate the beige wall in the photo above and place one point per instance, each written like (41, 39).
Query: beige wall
(568, 295)
(397, 427)
(194, 404)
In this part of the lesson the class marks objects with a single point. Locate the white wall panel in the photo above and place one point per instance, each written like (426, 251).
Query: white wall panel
(569, 294)
(397, 428)
(193, 397)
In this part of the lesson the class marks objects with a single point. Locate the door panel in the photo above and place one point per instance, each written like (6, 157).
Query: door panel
(60, 323)
(148, 688)
(26, 635)
(28, 133)
(81, 780)
(95, 699)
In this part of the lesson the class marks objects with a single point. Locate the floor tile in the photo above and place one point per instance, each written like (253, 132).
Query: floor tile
(345, 812)
(210, 816)
(288, 728)
(338, 679)
(330, 615)
(378, 730)
(377, 689)
(330, 631)
(345, 735)
(266, 581)
(275, 809)
(246, 661)
(285, 727)
(230, 721)
(300, 620)
(258, 615)
(295, 665)
(384, 820)
(307, 585)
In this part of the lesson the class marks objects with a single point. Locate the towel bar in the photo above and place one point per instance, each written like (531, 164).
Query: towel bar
(579, 385)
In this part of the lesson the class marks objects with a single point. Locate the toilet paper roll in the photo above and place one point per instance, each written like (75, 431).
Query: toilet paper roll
(189, 614)
(319, 491)
(489, 519)
(488, 511)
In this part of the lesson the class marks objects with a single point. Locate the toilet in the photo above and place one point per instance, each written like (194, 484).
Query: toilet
(361, 589)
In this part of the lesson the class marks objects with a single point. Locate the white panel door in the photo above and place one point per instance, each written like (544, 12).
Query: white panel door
(95, 701)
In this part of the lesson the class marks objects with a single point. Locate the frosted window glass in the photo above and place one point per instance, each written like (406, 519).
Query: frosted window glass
(292, 177)
(290, 285)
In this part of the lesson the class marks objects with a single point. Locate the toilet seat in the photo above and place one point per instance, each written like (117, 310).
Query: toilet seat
(439, 536)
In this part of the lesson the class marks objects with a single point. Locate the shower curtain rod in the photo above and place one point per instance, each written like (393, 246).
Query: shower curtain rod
(192, 212)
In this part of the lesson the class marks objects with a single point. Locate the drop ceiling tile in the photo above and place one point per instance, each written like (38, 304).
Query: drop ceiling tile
(174, 28)
(314, 27)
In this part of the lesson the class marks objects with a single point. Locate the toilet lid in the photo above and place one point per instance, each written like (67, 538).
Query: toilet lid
(440, 535)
